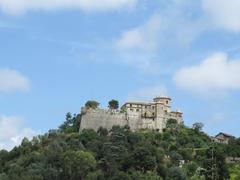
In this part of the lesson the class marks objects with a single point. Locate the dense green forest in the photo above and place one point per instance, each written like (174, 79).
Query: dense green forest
(65, 154)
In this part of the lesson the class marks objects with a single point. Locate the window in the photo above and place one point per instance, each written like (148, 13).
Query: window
(137, 110)
(152, 107)
(166, 102)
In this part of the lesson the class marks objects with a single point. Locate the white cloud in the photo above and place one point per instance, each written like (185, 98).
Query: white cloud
(216, 73)
(143, 45)
(143, 37)
(223, 13)
(137, 46)
(16, 7)
(11, 80)
(147, 93)
(168, 26)
(12, 132)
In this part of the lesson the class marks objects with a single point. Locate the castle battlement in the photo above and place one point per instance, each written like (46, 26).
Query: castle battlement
(85, 110)
(137, 115)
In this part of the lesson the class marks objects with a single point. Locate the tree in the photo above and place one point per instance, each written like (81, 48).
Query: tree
(175, 173)
(215, 163)
(71, 123)
(113, 104)
(96, 175)
(175, 157)
(3, 176)
(171, 123)
(77, 164)
(234, 171)
(144, 159)
(198, 126)
(67, 123)
(121, 175)
(150, 175)
(173, 127)
(102, 131)
(190, 168)
(119, 154)
(92, 104)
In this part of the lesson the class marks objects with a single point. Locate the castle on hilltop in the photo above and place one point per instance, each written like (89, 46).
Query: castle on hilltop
(137, 115)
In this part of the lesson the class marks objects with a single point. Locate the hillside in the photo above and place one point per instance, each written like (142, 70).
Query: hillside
(64, 154)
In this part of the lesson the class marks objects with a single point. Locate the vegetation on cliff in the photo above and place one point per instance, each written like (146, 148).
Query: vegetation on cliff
(65, 154)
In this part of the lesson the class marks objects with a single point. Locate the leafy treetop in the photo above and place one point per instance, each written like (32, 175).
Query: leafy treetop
(92, 104)
(113, 104)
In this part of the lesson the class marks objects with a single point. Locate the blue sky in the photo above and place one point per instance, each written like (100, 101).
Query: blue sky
(56, 55)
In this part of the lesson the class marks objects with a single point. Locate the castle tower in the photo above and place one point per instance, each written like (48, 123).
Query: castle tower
(165, 101)
(163, 106)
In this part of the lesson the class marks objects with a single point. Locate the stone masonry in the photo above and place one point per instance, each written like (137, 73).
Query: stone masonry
(137, 115)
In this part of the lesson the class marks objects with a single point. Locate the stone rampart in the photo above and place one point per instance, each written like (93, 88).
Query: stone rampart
(136, 116)
(95, 118)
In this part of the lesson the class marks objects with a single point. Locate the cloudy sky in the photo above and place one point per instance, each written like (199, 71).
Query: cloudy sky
(57, 54)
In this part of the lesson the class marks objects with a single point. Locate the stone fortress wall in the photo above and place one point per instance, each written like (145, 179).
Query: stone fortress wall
(137, 115)
(95, 118)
